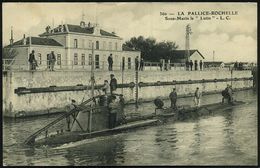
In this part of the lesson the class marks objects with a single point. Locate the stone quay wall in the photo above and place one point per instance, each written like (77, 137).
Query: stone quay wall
(29, 92)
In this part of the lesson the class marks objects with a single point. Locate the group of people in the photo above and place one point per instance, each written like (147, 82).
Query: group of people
(196, 98)
(226, 94)
(51, 59)
(139, 65)
(189, 65)
(238, 66)
(110, 87)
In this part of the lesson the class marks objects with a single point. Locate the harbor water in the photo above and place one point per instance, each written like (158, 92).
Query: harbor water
(227, 137)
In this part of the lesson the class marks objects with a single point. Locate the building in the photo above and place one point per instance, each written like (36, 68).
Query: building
(72, 45)
(179, 56)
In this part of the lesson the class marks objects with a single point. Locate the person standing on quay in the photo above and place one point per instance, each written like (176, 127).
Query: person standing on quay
(197, 96)
(113, 83)
(196, 65)
(141, 68)
(32, 61)
(191, 64)
(48, 61)
(136, 63)
(110, 62)
(53, 60)
(187, 65)
(173, 98)
(201, 65)
(106, 87)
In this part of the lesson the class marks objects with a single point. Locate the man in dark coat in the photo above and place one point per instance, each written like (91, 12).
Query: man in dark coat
(136, 63)
(113, 83)
(187, 65)
(141, 68)
(53, 60)
(32, 61)
(196, 65)
(48, 61)
(191, 64)
(173, 98)
(201, 65)
(110, 62)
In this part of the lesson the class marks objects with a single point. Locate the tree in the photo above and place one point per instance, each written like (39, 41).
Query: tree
(9, 53)
(150, 49)
(8, 56)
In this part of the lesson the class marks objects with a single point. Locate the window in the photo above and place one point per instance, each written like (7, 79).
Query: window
(58, 59)
(39, 59)
(129, 63)
(89, 44)
(83, 59)
(110, 45)
(89, 59)
(75, 59)
(83, 43)
(75, 43)
(97, 45)
(115, 45)
(97, 61)
(104, 45)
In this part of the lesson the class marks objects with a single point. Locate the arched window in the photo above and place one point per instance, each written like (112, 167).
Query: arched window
(97, 45)
(83, 59)
(58, 59)
(75, 59)
(75, 43)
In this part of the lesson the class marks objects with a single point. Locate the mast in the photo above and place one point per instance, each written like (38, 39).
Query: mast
(213, 56)
(187, 42)
(92, 71)
(92, 78)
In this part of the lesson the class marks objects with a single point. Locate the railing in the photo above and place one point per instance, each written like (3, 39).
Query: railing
(20, 64)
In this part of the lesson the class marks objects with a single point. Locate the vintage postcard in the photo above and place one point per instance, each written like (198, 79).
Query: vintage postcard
(120, 83)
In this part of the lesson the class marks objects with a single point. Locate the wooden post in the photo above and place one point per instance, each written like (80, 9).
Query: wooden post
(136, 88)
(122, 70)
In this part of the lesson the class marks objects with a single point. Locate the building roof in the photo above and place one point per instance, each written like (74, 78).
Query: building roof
(181, 54)
(78, 29)
(215, 63)
(38, 41)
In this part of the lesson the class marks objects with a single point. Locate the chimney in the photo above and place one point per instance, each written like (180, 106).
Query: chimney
(96, 30)
(24, 39)
(12, 39)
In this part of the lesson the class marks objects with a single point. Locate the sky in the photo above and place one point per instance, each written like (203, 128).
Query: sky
(231, 40)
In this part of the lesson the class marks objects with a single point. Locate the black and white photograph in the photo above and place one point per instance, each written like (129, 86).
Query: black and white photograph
(129, 84)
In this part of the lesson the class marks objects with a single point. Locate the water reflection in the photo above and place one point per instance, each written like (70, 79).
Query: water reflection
(106, 152)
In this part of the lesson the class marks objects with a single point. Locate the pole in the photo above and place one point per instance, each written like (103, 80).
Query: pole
(136, 88)
(122, 78)
(231, 76)
(92, 87)
(213, 55)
